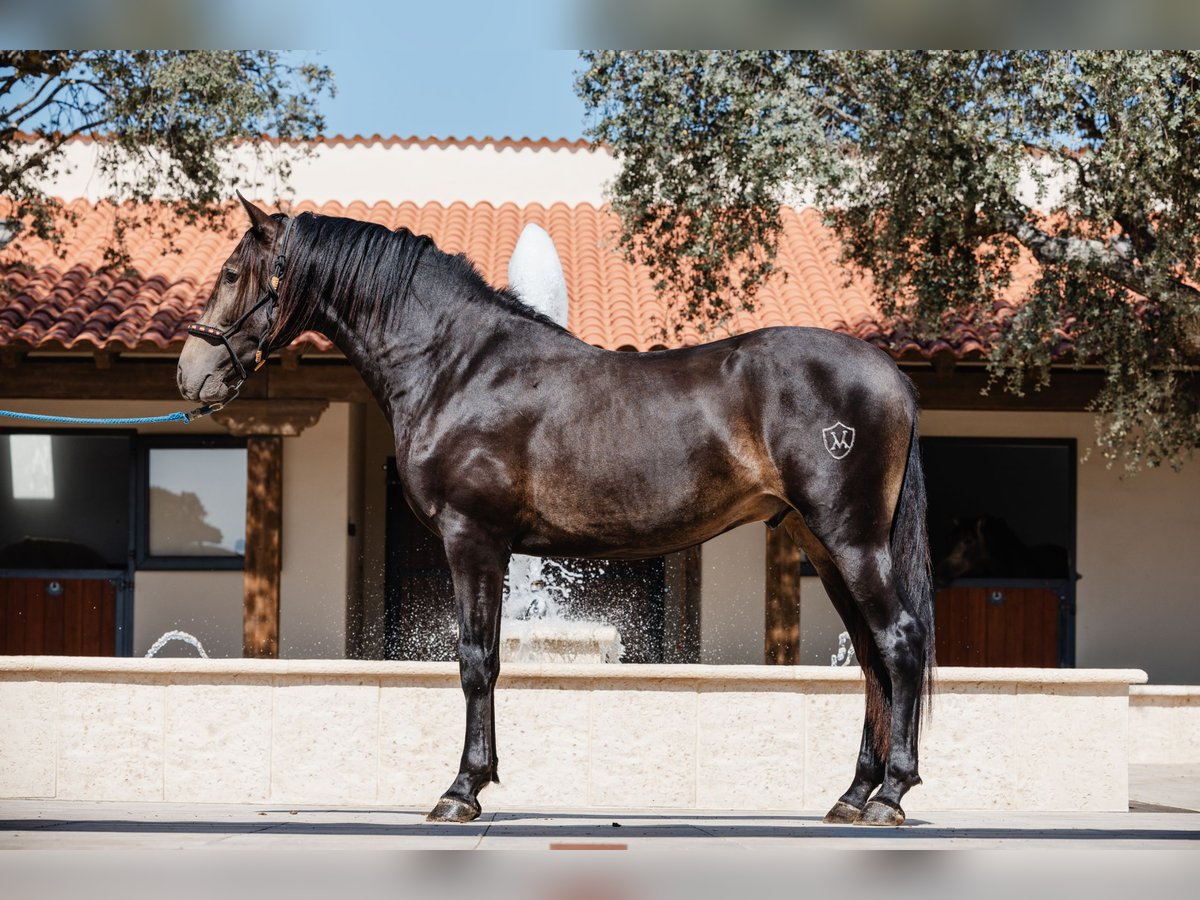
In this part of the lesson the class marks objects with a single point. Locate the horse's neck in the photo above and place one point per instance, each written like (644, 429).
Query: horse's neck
(429, 337)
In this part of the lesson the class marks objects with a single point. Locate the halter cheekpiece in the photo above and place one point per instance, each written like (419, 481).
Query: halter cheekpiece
(269, 298)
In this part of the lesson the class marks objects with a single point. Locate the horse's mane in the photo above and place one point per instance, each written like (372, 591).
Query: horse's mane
(364, 270)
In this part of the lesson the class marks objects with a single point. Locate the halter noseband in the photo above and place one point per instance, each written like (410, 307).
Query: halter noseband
(270, 295)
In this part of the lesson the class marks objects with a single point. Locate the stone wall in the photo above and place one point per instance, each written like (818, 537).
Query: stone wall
(687, 737)
(1164, 724)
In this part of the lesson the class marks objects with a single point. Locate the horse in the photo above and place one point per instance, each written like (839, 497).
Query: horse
(513, 435)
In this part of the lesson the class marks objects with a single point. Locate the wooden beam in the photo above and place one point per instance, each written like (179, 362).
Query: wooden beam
(287, 417)
(781, 645)
(104, 359)
(943, 362)
(264, 533)
(681, 615)
(133, 378)
(76, 378)
(335, 381)
(963, 388)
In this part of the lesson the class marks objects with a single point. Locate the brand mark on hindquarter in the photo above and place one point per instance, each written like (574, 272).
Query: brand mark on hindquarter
(839, 439)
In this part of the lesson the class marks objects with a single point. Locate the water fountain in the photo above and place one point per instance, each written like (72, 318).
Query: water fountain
(176, 636)
(536, 624)
(845, 652)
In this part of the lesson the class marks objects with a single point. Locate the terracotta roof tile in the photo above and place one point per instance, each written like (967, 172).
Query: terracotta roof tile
(69, 303)
(395, 140)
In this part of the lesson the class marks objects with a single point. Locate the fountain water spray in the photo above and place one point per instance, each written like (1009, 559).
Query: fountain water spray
(176, 636)
(845, 652)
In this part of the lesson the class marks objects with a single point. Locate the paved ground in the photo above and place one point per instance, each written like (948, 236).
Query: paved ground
(293, 850)
(1164, 787)
(90, 826)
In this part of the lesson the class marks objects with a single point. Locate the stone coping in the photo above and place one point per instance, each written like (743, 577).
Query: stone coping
(1151, 691)
(70, 666)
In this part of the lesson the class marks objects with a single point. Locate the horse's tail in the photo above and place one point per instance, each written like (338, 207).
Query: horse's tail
(911, 567)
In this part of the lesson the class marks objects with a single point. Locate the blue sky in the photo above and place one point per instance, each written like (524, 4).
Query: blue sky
(433, 92)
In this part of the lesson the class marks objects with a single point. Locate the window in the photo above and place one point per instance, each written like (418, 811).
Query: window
(1025, 485)
(64, 499)
(193, 504)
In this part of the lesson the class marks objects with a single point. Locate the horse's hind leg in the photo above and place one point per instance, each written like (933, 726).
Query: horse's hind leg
(477, 563)
(900, 644)
(868, 772)
(891, 644)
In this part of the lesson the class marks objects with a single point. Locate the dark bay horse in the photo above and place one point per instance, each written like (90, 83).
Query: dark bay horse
(512, 435)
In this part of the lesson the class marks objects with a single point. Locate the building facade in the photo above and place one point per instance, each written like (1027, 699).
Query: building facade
(112, 536)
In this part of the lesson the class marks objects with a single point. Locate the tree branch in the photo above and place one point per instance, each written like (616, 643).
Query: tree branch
(835, 110)
(33, 96)
(37, 109)
(10, 176)
(1115, 259)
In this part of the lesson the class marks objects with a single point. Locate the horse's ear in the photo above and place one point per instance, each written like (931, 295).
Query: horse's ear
(260, 222)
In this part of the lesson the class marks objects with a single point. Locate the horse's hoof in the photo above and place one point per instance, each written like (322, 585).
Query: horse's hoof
(842, 814)
(881, 812)
(454, 809)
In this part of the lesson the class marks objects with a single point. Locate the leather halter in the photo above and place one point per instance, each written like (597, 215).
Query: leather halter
(269, 297)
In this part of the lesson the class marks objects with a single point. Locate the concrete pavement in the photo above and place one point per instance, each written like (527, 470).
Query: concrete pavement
(60, 825)
(51, 849)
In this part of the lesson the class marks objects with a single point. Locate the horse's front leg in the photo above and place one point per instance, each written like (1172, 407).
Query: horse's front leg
(477, 563)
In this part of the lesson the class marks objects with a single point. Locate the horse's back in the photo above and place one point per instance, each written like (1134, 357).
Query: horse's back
(805, 374)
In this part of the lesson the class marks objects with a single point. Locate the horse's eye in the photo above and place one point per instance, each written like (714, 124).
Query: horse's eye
(230, 276)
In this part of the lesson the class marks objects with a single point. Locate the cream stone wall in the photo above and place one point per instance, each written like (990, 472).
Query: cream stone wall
(1164, 725)
(683, 737)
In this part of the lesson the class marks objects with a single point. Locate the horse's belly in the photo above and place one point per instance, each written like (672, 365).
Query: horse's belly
(628, 523)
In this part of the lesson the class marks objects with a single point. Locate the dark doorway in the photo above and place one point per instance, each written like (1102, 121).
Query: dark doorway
(419, 610)
(66, 542)
(1002, 539)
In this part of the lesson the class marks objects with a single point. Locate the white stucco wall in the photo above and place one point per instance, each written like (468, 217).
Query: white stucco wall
(316, 510)
(207, 605)
(397, 174)
(733, 591)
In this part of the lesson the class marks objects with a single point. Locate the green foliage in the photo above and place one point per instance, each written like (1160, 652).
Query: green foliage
(166, 123)
(939, 171)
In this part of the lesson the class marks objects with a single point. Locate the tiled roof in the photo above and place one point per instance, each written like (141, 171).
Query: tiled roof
(64, 304)
(394, 140)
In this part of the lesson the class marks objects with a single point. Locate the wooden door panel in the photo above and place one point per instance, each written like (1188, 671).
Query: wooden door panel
(82, 621)
(1000, 626)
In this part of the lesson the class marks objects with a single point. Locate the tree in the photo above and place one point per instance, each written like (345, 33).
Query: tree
(166, 124)
(939, 171)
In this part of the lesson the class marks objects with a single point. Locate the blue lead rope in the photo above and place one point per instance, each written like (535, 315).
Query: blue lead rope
(184, 417)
